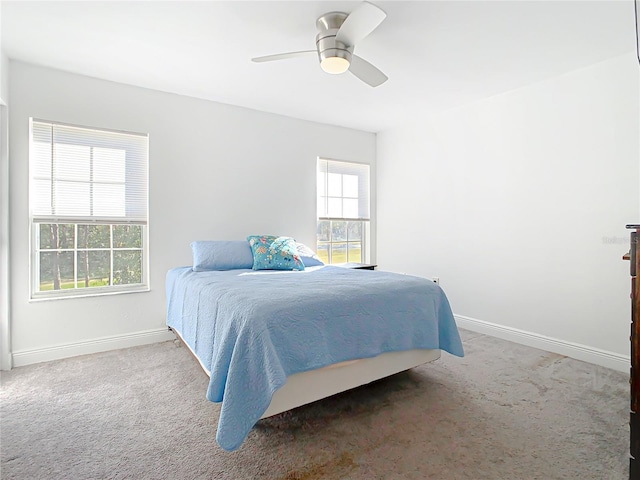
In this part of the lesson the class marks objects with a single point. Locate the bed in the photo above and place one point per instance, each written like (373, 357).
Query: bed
(274, 340)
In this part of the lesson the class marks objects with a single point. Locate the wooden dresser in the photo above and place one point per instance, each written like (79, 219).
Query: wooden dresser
(634, 447)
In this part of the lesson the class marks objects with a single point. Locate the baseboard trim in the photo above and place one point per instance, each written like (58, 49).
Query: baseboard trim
(585, 353)
(57, 352)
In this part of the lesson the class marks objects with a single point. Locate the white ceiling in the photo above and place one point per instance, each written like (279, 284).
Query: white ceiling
(437, 54)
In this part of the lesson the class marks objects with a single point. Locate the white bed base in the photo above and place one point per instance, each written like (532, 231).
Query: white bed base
(306, 387)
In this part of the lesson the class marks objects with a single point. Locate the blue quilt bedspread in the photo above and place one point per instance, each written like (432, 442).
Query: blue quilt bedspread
(253, 329)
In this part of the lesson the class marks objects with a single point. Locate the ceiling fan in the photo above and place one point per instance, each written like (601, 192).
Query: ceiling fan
(338, 34)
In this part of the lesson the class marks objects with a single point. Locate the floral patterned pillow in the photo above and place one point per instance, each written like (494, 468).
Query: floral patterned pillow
(274, 253)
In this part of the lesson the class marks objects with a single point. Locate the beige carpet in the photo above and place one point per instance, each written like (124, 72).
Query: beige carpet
(504, 411)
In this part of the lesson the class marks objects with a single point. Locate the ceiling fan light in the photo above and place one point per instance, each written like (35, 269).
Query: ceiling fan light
(334, 65)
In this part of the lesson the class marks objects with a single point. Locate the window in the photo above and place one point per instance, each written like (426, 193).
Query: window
(88, 201)
(343, 211)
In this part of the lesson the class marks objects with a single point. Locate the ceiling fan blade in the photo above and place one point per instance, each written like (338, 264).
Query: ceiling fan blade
(366, 72)
(282, 56)
(360, 23)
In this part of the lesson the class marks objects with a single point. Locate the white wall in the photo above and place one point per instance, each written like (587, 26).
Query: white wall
(4, 68)
(4, 77)
(216, 172)
(519, 204)
(5, 340)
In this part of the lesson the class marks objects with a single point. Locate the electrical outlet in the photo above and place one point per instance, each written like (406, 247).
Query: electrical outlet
(436, 280)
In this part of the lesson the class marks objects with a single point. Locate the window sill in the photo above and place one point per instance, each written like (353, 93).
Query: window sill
(95, 292)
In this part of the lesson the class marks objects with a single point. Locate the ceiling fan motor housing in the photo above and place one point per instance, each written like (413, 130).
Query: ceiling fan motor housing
(328, 26)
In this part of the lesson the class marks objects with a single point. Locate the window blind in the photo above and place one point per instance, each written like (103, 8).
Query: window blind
(343, 190)
(79, 174)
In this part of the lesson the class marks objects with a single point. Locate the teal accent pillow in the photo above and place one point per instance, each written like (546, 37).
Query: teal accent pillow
(274, 253)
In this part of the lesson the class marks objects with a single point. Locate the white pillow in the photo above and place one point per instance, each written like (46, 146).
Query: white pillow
(309, 257)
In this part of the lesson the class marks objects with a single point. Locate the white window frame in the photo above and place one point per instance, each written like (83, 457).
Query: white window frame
(38, 218)
(363, 171)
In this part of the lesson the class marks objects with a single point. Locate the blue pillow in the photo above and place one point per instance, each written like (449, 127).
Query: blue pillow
(308, 256)
(221, 255)
(274, 253)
